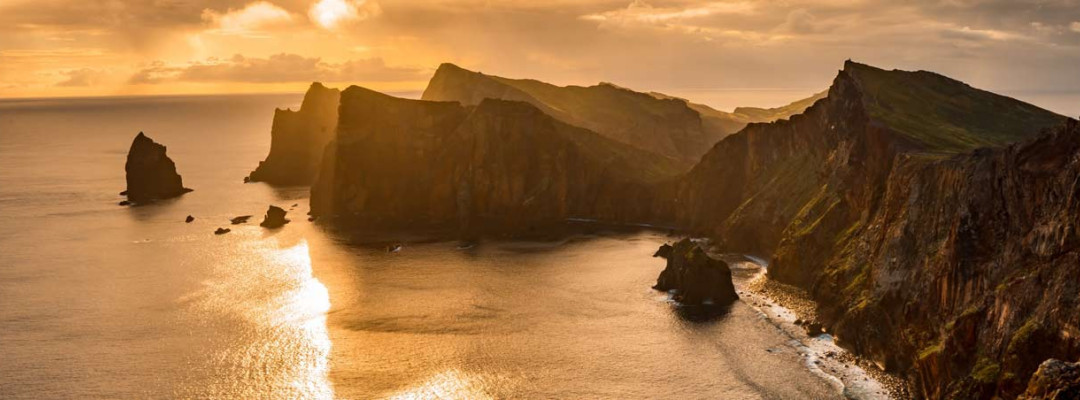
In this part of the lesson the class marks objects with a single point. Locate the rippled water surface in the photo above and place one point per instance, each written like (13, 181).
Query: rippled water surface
(102, 301)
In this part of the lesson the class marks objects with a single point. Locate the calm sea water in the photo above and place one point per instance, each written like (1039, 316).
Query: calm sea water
(102, 301)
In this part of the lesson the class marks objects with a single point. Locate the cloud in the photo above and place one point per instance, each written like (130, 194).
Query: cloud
(330, 14)
(1075, 26)
(641, 12)
(81, 77)
(275, 69)
(249, 21)
(979, 35)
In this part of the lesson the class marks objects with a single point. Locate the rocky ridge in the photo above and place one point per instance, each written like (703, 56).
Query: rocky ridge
(664, 126)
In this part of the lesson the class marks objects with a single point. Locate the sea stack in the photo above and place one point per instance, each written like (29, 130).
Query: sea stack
(274, 218)
(693, 277)
(151, 175)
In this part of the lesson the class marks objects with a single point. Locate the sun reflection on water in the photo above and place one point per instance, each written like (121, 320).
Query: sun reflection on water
(308, 304)
(265, 320)
(449, 384)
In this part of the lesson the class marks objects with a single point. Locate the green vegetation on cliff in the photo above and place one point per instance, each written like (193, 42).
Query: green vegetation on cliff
(943, 115)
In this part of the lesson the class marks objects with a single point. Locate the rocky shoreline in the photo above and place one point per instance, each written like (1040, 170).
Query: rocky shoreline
(791, 310)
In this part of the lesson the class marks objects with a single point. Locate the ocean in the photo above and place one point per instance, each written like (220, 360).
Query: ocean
(103, 301)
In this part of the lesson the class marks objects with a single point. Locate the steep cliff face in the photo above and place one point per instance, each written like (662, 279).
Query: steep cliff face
(297, 139)
(498, 167)
(935, 259)
(151, 174)
(663, 126)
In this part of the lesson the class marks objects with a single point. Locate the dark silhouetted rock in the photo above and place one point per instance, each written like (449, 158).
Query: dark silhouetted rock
(151, 175)
(664, 251)
(189, 219)
(125, 203)
(239, 220)
(274, 218)
(501, 167)
(297, 139)
(694, 278)
(222, 231)
(1054, 380)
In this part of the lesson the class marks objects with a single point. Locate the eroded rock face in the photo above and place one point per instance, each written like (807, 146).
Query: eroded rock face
(274, 218)
(949, 255)
(693, 277)
(501, 167)
(151, 175)
(297, 139)
(1054, 380)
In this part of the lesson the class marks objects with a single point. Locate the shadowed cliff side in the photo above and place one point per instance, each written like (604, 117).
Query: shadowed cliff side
(499, 167)
(667, 127)
(297, 139)
(923, 256)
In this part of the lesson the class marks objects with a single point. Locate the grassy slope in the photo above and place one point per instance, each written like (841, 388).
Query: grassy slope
(945, 115)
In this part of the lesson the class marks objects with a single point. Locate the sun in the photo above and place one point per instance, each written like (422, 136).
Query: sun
(331, 13)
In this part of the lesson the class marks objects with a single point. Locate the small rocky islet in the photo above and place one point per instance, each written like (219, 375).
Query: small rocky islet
(693, 277)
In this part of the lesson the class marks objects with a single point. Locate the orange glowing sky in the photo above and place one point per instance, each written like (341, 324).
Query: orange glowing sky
(683, 47)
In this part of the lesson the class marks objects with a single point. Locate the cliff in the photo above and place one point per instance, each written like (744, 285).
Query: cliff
(151, 174)
(501, 167)
(933, 243)
(297, 139)
(663, 126)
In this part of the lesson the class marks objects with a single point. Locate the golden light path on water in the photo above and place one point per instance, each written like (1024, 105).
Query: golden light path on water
(274, 314)
(306, 308)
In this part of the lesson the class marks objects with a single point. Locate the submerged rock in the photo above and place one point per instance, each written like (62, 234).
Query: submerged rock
(222, 231)
(151, 175)
(1054, 380)
(239, 220)
(189, 219)
(274, 218)
(693, 277)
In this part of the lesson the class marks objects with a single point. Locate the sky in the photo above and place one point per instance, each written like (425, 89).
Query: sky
(724, 53)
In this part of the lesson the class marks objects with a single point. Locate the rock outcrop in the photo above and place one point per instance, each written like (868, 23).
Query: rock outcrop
(693, 277)
(1054, 380)
(500, 167)
(151, 175)
(663, 126)
(274, 218)
(934, 243)
(297, 139)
